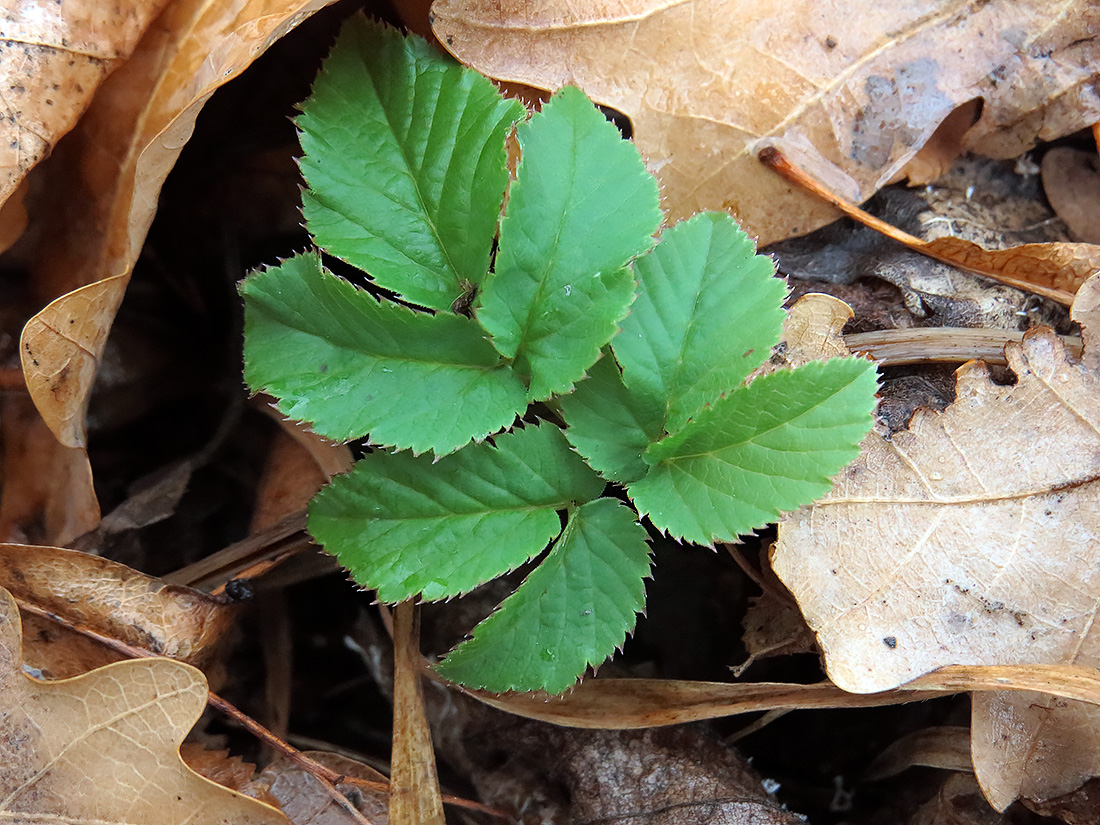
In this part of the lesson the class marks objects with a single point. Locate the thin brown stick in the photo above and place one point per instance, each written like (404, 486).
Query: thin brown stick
(325, 775)
(781, 165)
(286, 536)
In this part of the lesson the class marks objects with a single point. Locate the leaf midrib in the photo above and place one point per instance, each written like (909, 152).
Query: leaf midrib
(786, 423)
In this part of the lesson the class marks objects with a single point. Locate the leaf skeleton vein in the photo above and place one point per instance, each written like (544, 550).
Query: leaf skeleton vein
(106, 724)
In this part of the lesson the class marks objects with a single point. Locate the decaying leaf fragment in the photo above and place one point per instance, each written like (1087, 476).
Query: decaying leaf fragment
(973, 539)
(850, 91)
(104, 747)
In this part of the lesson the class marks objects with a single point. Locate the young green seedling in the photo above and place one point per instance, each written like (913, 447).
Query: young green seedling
(644, 350)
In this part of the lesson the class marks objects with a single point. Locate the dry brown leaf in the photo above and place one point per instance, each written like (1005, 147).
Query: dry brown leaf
(414, 785)
(1071, 180)
(945, 746)
(53, 56)
(60, 348)
(305, 800)
(299, 463)
(629, 704)
(228, 771)
(970, 539)
(773, 627)
(104, 746)
(47, 495)
(959, 802)
(111, 599)
(849, 91)
(108, 181)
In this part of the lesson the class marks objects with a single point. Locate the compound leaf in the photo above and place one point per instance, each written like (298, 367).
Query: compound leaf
(609, 425)
(338, 358)
(581, 208)
(405, 163)
(764, 449)
(404, 525)
(707, 314)
(571, 612)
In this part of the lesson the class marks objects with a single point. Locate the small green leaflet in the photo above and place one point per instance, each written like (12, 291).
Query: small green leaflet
(762, 450)
(572, 611)
(708, 313)
(336, 357)
(610, 426)
(404, 525)
(581, 208)
(405, 162)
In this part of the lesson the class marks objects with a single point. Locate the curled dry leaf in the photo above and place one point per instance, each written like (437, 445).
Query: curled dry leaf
(105, 746)
(299, 463)
(945, 746)
(971, 539)
(1071, 180)
(117, 160)
(53, 56)
(112, 599)
(629, 704)
(850, 91)
(60, 348)
(48, 494)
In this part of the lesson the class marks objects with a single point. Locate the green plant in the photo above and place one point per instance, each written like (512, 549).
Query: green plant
(642, 351)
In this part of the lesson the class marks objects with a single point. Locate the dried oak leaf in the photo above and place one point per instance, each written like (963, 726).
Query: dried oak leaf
(53, 56)
(849, 91)
(104, 747)
(106, 186)
(972, 539)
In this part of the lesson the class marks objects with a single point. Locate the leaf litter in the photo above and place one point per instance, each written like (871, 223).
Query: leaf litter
(953, 799)
(943, 546)
(105, 745)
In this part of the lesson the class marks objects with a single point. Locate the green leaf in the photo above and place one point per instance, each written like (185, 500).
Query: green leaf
(404, 525)
(581, 208)
(572, 611)
(610, 426)
(336, 357)
(405, 162)
(707, 314)
(766, 448)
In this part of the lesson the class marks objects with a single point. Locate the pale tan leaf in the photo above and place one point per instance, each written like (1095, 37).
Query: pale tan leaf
(414, 785)
(60, 349)
(104, 747)
(971, 539)
(53, 56)
(850, 91)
